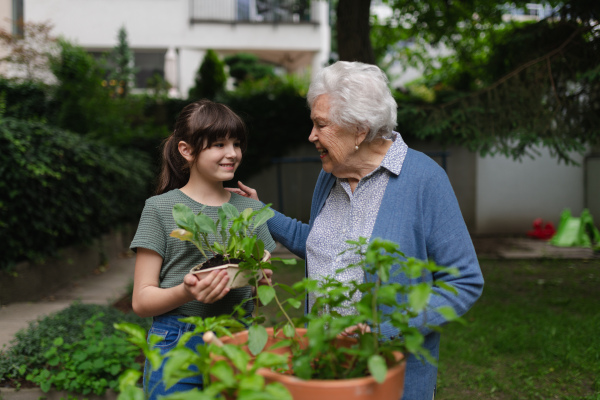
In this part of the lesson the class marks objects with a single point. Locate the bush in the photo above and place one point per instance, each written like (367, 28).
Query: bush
(58, 188)
(104, 350)
(27, 100)
(211, 77)
(245, 66)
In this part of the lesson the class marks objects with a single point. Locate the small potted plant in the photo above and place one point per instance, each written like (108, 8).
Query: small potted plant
(237, 239)
(310, 356)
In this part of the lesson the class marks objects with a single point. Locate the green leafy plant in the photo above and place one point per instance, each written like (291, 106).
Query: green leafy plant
(332, 314)
(240, 227)
(46, 201)
(317, 353)
(234, 373)
(28, 349)
(89, 365)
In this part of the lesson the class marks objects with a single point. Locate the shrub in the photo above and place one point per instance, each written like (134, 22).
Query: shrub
(26, 100)
(58, 188)
(211, 77)
(244, 66)
(34, 350)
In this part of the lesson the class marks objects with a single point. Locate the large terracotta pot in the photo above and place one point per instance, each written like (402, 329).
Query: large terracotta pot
(347, 389)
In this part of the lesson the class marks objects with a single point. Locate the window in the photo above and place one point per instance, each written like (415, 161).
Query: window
(17, 17)
(148, 64)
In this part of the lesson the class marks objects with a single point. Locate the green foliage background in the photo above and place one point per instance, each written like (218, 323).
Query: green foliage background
(59, 188)
(98, 344)
(211, 77)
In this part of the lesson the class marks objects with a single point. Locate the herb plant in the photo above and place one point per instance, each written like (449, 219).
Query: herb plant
(240, 226)
(323, 358)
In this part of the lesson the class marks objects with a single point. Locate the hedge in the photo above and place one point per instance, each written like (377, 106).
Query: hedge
(26, 100)
(58, 188)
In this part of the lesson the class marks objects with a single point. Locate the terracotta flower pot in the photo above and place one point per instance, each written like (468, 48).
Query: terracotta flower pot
(237, 278)
(365, 388)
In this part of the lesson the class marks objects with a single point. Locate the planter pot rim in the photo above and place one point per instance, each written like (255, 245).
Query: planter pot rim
(315, 389)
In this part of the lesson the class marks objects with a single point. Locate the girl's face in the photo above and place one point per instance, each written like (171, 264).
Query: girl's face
(219, 161)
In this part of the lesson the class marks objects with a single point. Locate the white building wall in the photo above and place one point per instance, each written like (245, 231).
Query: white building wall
(5, 24)
(511, 194)
(161, 24)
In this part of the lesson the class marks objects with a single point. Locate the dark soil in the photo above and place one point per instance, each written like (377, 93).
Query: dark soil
(217, 260)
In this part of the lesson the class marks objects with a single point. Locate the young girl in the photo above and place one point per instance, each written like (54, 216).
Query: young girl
(203, 151)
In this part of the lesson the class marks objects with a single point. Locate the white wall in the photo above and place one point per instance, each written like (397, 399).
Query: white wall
(5, 24)
(510, 194)
(161, 24)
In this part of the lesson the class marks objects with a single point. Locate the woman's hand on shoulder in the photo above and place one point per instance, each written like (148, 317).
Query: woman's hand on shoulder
(209, 289)
(245, 191)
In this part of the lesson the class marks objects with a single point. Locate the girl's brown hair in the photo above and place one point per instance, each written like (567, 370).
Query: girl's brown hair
(199, 124)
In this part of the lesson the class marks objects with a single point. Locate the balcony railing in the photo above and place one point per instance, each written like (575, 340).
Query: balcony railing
(254, 11)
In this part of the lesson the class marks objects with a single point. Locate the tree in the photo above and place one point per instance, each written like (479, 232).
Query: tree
(244, 67)
(353, 31)
(28, 55)
(121, 65)
(502, 86)
(211, 77)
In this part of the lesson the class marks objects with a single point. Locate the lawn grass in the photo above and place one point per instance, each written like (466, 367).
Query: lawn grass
(533, 334)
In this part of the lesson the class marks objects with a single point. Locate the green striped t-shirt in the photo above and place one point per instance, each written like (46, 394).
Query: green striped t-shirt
(156, 224)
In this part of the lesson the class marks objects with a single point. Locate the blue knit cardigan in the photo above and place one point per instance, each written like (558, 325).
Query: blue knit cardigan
(419, 211)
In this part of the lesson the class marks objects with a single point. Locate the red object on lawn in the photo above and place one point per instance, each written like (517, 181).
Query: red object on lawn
(539, 232)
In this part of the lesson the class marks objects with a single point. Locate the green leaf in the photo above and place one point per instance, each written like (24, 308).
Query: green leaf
(418, 297)
(288, 261)
(182, 234)
(294, 303)
(278, 391)
(377, 367)
(246, 214)
(287, 288)
(257, 338)
(45, 386)
(448, 313)
(289, 330)
(263, 216)
(252, 382)
(132, 393)
(266, 294)
(237, 356)
(205, 224)
(177, 365)
(59, 341)
(258, 250)
(230, 210)
(129, 377)
(137, 334)
(223, 372)
(387, 295)
(267, 359)
(184, 217)
(446, 286)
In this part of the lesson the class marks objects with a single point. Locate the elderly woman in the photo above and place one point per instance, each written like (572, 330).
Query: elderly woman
(373, 185)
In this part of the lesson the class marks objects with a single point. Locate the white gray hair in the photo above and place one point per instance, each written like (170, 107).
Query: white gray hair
(359, 97)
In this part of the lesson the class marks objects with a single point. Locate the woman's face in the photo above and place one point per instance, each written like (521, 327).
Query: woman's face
(334, 143)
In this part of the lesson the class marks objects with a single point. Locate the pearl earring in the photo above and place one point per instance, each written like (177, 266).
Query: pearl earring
(356, 148)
